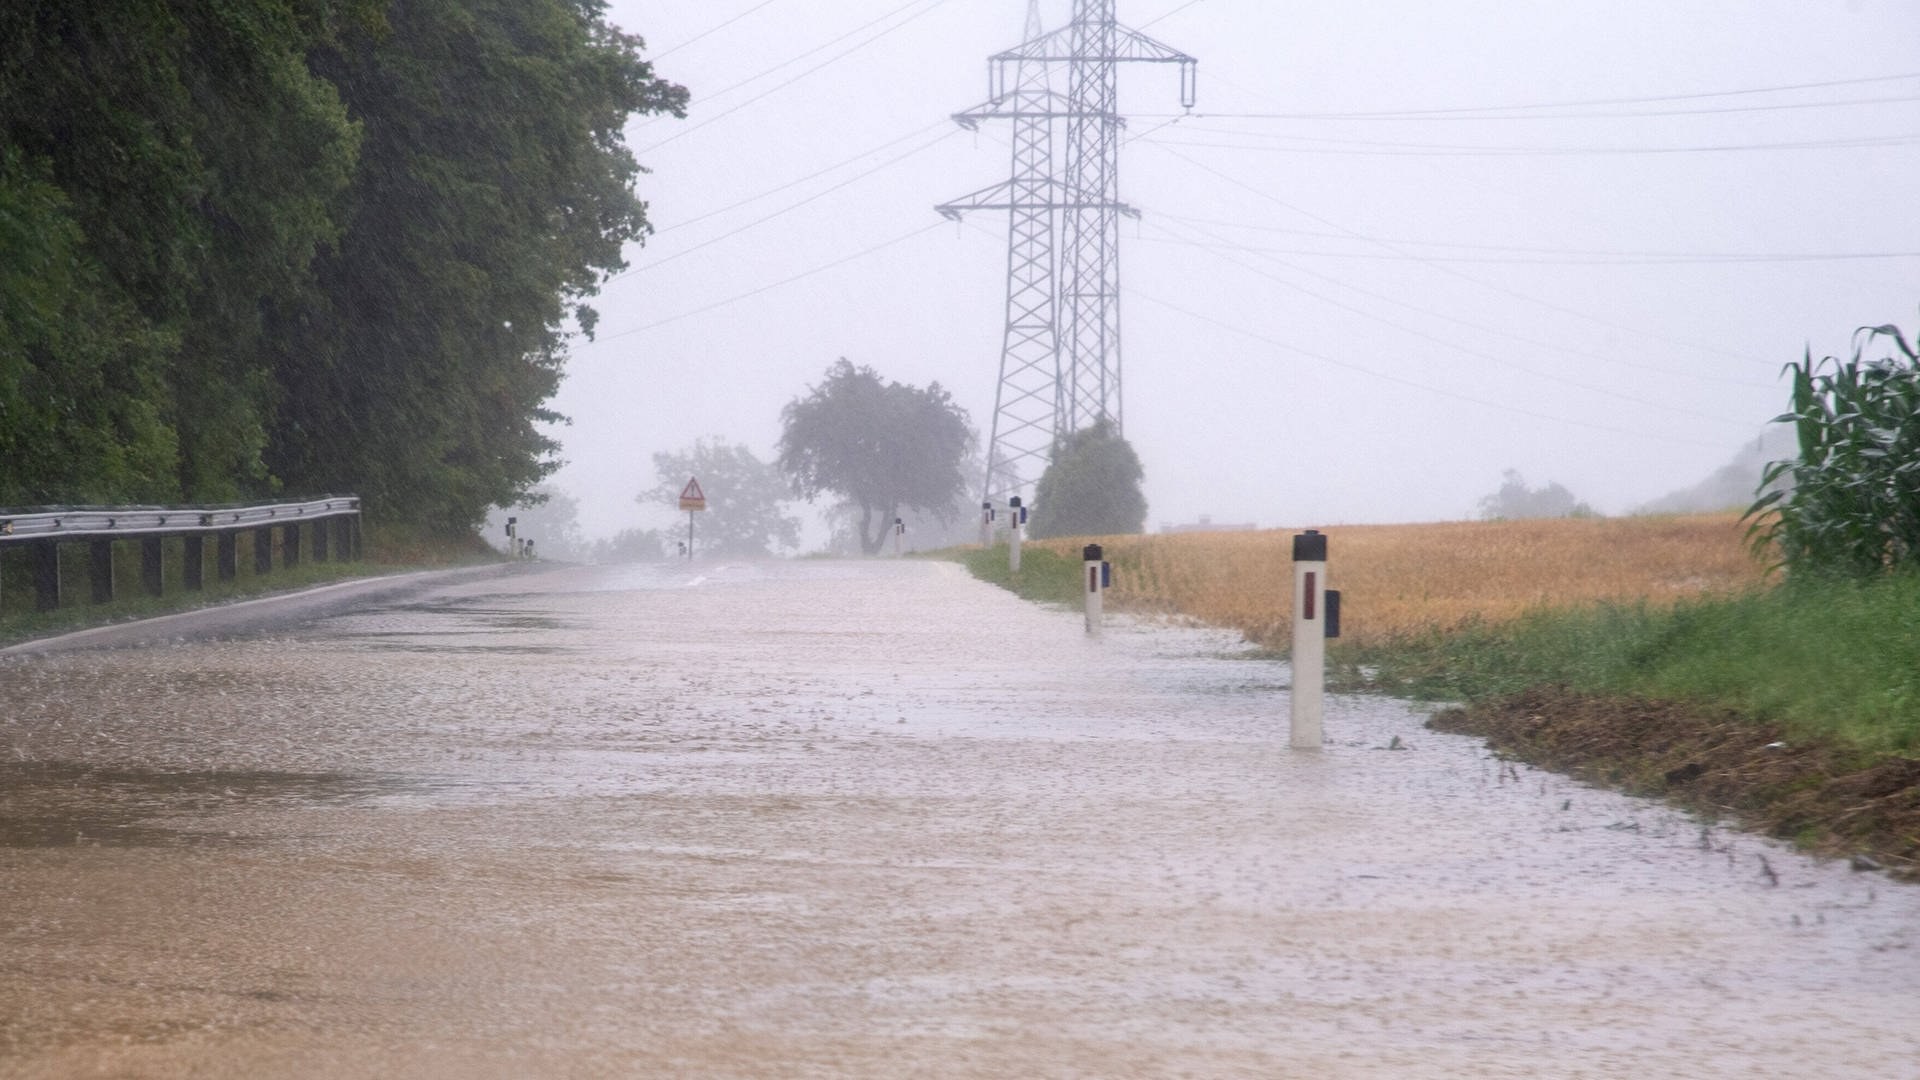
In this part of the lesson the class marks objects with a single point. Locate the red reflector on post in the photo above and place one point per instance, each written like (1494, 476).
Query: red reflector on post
(1309, 600)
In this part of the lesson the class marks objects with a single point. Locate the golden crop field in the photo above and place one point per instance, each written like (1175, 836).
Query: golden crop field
(1399, 580)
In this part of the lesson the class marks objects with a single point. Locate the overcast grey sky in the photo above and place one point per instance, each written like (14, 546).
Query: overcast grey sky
(1329, 317)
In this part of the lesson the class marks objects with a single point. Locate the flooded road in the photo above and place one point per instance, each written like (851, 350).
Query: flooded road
(821, 819)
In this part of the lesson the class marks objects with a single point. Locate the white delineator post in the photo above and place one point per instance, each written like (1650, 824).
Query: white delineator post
(1016, 516)
(986, 524)
(1096, 583)
(1309, 637)
(899, 531)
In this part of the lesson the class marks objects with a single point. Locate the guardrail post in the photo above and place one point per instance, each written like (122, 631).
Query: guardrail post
(227, 555)
(320, 539)
(100, 570)
(152, 577)
(46, 575)
(263, 550)
(290, 546)
(354, 540)
(193, 563)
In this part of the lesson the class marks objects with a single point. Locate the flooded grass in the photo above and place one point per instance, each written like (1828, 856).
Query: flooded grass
(1693, 669)
(1818, 792)
(1048, 574)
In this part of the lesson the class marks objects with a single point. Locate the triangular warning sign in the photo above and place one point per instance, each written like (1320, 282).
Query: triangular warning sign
(691, 497)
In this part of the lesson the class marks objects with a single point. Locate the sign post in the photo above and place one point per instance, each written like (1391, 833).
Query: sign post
(692, 500)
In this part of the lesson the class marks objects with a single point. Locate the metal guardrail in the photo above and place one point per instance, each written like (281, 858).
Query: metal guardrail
(332, 523)
(109, 522)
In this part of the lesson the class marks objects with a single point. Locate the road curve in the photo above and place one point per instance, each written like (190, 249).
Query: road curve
(821, 819)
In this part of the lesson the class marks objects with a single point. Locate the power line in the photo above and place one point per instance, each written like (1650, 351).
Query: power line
(789, 208)
(777, 87)
(821, 269)
(1164, 16)
(1414, 383)
(1444, 343)
(713, 29)
(1733, 256)
(1467, 111)
(1613, 115)
(1430, 264)
(888, 145)
(1456, 320)
(1569, 258)
(1376, 148)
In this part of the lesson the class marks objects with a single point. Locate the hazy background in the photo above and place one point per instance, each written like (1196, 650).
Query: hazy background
(1326, 319)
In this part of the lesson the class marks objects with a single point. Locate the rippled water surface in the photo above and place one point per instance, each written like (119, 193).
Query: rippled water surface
(836, 819)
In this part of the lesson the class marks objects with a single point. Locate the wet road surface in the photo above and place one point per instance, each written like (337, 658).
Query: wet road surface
(821, 819)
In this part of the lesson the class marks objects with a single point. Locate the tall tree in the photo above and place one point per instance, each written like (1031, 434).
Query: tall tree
(882, 446)
(199, 163)
(744, 518)
(1092, 487)
(494, 191)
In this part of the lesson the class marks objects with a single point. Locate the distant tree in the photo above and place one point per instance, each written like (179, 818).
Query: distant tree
(1515, 500)
(630, 545)
(1092, 487)
(744, 518)
(547, 516)
(885, 447)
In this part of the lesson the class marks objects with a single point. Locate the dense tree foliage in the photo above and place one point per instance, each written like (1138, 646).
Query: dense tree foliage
(744, 518)
(884, 447)
(1091, 488)
(1851, 500)
(311, 244)
(1514, 500)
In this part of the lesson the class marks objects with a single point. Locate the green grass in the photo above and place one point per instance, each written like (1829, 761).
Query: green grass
(389, 551)
(1840, 658)
(1045, 576)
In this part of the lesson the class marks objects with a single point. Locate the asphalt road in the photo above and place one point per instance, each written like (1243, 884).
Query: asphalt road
(818, 819)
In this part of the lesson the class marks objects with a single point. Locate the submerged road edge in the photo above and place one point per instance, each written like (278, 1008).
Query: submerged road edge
(248, 616)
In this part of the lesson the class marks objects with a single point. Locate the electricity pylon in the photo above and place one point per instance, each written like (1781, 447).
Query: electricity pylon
(1060, 355)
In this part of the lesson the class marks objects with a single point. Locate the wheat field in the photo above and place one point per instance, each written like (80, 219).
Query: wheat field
(1398, 581)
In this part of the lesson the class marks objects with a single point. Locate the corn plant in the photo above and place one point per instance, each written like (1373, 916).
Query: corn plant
(1850, 503)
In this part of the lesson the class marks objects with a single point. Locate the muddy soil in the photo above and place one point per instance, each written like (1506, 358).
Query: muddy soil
(862, 820)
(1823, 796)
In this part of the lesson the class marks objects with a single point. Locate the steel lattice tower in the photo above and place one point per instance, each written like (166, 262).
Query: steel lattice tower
(1060, 357)
(1026, 407)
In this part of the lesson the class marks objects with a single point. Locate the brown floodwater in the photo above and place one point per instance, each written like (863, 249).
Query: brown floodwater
(820, 819)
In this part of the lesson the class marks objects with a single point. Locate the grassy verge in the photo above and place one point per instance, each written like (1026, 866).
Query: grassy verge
(1837, 660)
(1046, 575)
(389, 550)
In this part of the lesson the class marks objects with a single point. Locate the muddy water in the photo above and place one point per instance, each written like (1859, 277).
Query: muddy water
(821, 820)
